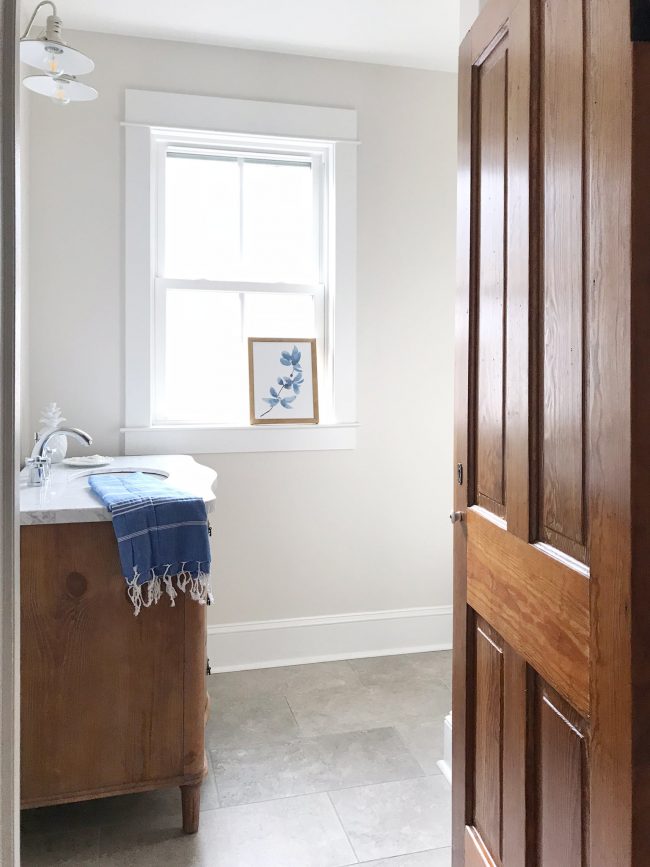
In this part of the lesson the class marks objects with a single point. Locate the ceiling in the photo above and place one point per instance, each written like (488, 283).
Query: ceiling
(416, 33)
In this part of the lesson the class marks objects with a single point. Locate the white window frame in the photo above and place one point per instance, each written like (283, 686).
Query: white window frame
(153, 121)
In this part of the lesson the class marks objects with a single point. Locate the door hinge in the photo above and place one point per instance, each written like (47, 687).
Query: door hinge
(459, 474)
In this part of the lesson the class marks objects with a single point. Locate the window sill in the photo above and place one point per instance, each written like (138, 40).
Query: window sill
(202, 440)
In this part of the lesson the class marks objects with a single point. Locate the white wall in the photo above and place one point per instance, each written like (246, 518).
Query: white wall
(296, 534)
(469, 10)
(25, 417)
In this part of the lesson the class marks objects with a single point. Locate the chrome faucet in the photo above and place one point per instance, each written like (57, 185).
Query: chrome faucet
(40, 461)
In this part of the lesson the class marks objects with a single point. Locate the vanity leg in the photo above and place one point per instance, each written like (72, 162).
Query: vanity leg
(191, 802)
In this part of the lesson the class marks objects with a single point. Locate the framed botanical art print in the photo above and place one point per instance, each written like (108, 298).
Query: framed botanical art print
(283, 382)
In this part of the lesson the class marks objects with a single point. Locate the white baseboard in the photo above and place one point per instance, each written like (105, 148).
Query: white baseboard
(270, 643)
(445, 762)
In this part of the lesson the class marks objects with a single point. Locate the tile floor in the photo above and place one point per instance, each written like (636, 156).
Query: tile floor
(323, 765)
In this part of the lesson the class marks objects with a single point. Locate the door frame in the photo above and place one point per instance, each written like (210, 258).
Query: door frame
(617, 260)
(9, 441)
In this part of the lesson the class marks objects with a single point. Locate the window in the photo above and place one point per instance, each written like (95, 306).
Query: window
(246, 231)
(241, 251)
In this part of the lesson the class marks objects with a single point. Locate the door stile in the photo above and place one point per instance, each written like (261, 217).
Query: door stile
(614, 780)
(640, 504)
(461, 790)
(521, 401)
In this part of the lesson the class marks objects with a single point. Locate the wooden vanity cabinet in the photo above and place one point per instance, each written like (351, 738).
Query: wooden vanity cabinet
(110, 703)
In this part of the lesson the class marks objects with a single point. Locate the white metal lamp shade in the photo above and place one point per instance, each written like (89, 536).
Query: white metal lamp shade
(61, 90)
(54, 58)
(59, 62)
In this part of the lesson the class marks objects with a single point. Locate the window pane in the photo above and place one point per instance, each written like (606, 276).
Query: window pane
(205, 359)
(278, 223)
(201, 218)
(276, 315)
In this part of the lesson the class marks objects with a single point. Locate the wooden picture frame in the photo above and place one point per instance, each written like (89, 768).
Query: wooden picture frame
(286, 386)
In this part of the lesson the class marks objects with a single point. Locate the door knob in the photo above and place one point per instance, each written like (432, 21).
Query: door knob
(456, 517)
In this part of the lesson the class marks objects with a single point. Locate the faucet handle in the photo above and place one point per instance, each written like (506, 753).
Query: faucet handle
(39, 470)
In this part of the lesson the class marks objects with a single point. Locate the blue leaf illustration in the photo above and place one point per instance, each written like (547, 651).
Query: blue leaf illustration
(295, 355)
(273, 401)
(285, 361)
(296, 388)
(286, 355)
(280, 380)
(287, 401)
(288, 382)
(297, 367)
(273, 391)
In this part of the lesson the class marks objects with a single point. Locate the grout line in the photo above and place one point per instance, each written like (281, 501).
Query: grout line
(293, 715)
(336, 812)
(405, 855)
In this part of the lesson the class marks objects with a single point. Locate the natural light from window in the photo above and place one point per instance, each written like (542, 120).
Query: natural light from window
(240, 249)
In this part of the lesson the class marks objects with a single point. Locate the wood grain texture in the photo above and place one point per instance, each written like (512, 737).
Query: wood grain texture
(490, 293)
(523, 273)
(561, 773)
(517, 758)
(616, 786)
(488, 739)
(539, 605)
(475, 853)
(564, 502)
(562, 95)
(103, 692)
(191, 806)
(585, 631)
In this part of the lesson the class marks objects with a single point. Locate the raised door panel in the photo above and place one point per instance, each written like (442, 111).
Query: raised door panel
(490, 91)
(561, 775)
(488, 738)
(563, 483)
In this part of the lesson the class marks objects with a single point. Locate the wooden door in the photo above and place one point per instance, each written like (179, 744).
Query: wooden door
(551, 707)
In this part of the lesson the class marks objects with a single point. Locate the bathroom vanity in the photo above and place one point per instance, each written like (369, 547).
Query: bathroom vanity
(110, 703)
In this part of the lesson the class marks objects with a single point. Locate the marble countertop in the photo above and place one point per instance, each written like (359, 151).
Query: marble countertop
(68, 499)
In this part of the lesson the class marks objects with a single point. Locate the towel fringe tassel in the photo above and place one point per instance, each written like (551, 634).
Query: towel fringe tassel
(148, 593)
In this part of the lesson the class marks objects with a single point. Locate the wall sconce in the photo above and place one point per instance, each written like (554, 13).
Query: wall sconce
(59, 63)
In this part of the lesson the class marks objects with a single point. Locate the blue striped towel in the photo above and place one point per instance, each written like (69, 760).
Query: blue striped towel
(162, 536)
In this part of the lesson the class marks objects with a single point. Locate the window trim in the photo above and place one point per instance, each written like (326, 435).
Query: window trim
(151, 118)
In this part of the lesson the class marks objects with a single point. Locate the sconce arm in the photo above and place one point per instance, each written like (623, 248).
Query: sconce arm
(34, 13)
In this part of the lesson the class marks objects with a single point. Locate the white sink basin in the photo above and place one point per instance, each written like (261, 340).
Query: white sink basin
(149, 471)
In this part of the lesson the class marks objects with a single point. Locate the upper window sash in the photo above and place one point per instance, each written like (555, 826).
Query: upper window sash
(282, 151)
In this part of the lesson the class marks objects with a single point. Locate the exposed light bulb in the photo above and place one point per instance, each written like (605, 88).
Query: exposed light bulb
(52, 60)
(60, 96)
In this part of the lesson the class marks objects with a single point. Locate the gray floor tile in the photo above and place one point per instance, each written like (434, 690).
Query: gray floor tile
(387, 704)
(365, 730)
(410, 667)
(396, 818)
(78, 849)
(280, 681)
(431, 858)
(258, 773)
(424, 739)
(239, 722)
(293, 832)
